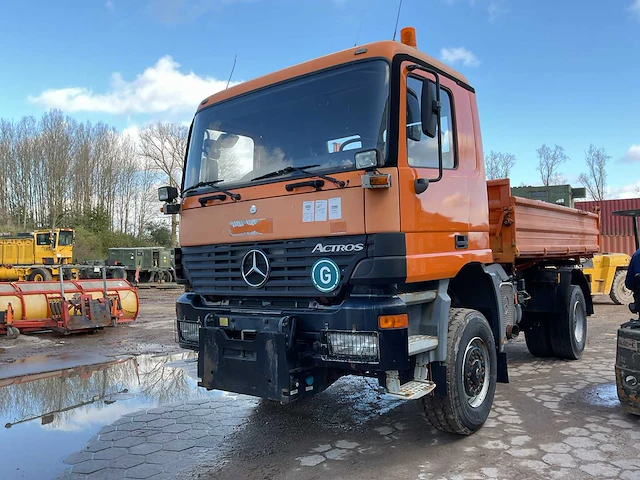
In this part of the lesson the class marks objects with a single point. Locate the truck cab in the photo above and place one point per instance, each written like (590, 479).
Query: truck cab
(53, 246)
(335, 221)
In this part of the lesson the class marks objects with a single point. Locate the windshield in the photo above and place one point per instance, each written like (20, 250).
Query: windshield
(322, 119)
(66, 239)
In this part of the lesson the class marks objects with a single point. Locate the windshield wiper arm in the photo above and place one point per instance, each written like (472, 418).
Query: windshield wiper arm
(304, 170)
(214, 184)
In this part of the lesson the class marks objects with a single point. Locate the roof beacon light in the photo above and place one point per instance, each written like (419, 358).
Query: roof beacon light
(408, 37)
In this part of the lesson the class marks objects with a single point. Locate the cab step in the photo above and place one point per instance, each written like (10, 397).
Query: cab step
(414, 389)
(422, 343)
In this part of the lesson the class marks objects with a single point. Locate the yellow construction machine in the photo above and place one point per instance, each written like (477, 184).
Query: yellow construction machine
(35, 255)
(606, 273)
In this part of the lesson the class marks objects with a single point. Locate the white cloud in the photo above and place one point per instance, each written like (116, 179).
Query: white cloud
(635, 8)
(632, 155)
(160, 88)
(459, 54)
(631, 190)
(496, 9)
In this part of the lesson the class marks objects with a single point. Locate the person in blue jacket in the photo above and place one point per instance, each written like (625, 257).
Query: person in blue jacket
(631, 282)
(634, 268)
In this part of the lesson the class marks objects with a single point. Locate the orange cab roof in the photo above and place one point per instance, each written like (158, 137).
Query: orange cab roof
(385, 49)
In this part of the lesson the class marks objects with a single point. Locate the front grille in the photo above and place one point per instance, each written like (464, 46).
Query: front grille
(215, 270)
(188, 333)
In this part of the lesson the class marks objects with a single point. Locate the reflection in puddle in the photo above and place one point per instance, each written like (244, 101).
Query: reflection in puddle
(604, 395)
(55, 412)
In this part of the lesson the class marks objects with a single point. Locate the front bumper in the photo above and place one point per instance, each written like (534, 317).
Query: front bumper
(286, 354)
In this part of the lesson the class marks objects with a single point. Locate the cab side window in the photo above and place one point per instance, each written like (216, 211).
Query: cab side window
(422, 150)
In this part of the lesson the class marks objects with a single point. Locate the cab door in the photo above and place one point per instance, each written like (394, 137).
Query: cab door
(446, 226)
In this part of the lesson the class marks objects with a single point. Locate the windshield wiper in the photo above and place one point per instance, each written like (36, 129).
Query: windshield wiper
(214, 184)
(304, 170)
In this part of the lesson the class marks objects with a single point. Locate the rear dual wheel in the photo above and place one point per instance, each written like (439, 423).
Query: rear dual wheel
(564, 334)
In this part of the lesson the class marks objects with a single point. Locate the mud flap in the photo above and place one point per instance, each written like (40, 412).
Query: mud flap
(255, 367)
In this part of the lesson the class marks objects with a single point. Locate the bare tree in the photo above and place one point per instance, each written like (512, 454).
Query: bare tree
(549, 161)
(499, 164)
(595, 179)
(165, 145)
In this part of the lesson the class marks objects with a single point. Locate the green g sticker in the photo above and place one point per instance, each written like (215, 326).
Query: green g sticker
(325, 275)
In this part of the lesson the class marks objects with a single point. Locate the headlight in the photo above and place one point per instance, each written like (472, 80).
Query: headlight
(188, 332)
(368, 159)
(359, 347)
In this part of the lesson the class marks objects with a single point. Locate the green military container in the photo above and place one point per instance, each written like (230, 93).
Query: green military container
(155, 263)
(558, 194)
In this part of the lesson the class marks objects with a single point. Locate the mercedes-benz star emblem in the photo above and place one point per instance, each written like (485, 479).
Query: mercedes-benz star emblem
(255, 268)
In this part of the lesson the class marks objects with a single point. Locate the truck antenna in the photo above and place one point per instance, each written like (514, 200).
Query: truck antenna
(235, 57)
(361, 22)
(395, 31)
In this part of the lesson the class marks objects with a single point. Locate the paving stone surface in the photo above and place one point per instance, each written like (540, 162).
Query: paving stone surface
(556, 420)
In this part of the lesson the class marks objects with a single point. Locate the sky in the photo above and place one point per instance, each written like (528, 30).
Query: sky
(563, 72)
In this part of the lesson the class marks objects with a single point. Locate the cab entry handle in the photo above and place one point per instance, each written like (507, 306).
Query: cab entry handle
(462, 241)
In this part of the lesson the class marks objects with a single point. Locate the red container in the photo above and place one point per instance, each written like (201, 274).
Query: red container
(616, 233)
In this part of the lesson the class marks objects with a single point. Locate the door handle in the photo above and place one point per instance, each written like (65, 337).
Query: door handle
(462, 241)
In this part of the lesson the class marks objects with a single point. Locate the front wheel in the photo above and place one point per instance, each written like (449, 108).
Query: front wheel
(470, 375)
(40, 275)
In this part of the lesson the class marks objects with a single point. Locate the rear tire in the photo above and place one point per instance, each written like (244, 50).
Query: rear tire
(470, 375)
(620, 294)
(40, 275)
(569, 328)
(537, 337)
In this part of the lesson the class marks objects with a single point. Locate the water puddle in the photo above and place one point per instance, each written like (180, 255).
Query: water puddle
(604, 395)
(51, 406)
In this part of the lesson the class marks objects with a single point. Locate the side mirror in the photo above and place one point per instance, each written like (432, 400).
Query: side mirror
(167, 194)
(414, 129)
(430, 108)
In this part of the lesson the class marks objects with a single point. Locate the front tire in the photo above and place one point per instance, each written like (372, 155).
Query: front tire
(40, 275)
(569, 328)
(620, 294)
(470, 375)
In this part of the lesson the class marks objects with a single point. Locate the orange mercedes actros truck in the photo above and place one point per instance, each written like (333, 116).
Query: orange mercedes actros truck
(336, 220)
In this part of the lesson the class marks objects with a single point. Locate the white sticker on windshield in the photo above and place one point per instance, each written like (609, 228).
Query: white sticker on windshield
(307, 211)
(321, 210)
(335, 208)
(444, 124)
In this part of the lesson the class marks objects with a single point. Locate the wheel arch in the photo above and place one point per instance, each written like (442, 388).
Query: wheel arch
(477, 286)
